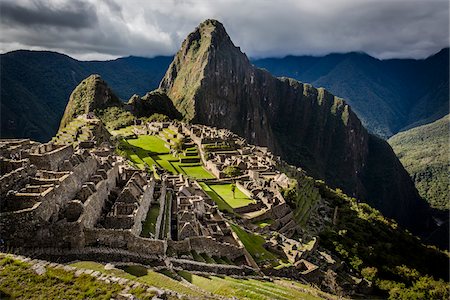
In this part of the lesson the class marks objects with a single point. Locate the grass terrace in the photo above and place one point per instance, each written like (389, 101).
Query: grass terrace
(141, 274)
(196, 171)
(250, 288)
(125, 131)
(221, 203)
(224, 192)
(254, 244)
(148, 150)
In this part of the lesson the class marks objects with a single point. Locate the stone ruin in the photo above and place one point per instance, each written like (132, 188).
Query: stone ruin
(55, 196)
(87, 199)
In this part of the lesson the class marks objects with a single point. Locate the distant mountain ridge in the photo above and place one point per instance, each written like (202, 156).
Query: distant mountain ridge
(35, 86)
(388, 95)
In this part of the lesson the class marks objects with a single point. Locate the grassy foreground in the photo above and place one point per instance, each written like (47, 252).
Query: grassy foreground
(19, 281)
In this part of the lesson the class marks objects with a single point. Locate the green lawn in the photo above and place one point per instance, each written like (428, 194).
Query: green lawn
(221, 204)
(135, 158)
(224, 191)
(254, 244)
(249, 288)
(150, 143)
(198, 172)
(149, 225)
(150, 150)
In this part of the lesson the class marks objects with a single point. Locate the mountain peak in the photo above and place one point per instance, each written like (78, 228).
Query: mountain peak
(92, 93)
(210, 35)
(205, 51)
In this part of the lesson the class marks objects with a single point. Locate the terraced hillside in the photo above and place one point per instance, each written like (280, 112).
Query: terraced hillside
(424, 152)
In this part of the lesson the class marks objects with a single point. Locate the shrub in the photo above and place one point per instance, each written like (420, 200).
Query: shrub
(369, 273)
(156, 118)
(115, 117)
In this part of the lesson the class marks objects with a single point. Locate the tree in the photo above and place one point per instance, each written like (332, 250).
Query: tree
(232, 171)
(233, 190)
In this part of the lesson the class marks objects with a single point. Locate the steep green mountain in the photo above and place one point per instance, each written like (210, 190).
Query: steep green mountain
(424, 151)
(212, 82)
(387, 95)
(35, 87)
(90, 95)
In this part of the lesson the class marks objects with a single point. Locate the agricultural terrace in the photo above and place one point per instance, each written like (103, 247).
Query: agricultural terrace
(149, 150)
(222, 195)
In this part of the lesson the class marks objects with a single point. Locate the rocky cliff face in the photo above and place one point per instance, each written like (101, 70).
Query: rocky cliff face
(212, 82)
(92, 93)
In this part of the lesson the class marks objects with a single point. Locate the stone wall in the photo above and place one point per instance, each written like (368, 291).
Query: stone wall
(17, 227)
(94, 203)
(208, 245)
(124, 239)
(50, 160)
(179, 247)
(184, 264)
(15, 180)
(32, 227)
(249, 208)
(144, 206)
(162, 204)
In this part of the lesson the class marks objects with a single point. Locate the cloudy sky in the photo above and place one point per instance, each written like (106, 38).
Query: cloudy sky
(106, 29)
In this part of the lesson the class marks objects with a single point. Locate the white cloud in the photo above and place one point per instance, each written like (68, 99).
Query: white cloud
(92, 29)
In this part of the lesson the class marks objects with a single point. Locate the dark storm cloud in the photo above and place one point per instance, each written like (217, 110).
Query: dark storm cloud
(74, 14)
(111, 28)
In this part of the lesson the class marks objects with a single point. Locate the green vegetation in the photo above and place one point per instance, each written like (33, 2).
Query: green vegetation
(19, 281)
(37, 85)
(224, 191)
(156, 118)
(398, 264)
(302, 196)
(424, 152)
(215, 147)
(146, 276)
(150, 143)
(149, 225)
(148, 150)
(232, 171)
(115, 117)
(387, 95)
(250, 288)
(196, 171)
(125, 131)
(264, 223)
(254, 245)
(155, 106)
(91, 94)
(221, 204)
